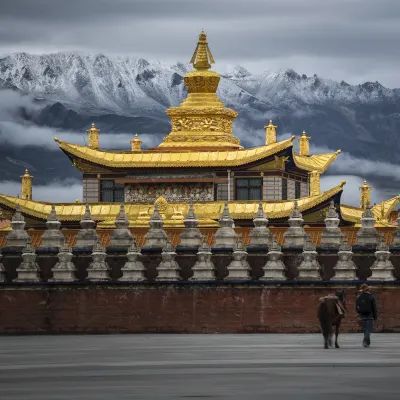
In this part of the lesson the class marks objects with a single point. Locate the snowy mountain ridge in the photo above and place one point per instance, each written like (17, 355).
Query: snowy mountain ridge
(133, 86)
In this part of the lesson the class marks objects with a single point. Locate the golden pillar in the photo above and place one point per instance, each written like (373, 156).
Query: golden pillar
(304, 144)
(270, 133)
(136, 143)
(315, 185)
(365, 195)
(26, 186)
(93, 137)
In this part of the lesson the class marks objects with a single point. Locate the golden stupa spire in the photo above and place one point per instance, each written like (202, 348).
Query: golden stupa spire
(201, 121)
(202, 57)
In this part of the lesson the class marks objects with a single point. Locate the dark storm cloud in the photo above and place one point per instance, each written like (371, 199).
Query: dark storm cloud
(341, 39)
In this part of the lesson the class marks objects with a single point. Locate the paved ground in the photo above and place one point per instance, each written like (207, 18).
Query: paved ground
(153, 367)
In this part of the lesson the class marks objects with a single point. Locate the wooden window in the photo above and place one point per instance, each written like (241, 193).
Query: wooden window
(249, 189)
(111, 192)
(284, 189)
(297, 190)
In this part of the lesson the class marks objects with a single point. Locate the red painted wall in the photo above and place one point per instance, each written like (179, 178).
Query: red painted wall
(179, 308)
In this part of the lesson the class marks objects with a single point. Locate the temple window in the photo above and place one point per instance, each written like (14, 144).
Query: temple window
(297, 190)
(284, 189)
(111, 192)
(249, 189)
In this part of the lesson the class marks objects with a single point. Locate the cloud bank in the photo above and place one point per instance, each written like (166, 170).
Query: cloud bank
(67, 191)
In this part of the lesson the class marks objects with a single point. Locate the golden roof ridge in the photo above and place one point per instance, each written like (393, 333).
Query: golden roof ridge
(217, 158)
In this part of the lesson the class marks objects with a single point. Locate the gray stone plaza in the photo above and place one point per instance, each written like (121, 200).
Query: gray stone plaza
(198, 366)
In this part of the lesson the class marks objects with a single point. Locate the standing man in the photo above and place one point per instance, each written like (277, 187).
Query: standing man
(366, 310)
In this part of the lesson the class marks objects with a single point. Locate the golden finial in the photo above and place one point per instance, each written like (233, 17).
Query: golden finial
(338, 152)
(93, 137)
(26, 186)
(365, 195)
(304, 144)
(136, 143)
(202, 57)
(93, 129)
(270, 133)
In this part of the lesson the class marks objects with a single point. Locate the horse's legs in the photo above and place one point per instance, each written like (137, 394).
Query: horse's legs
(326, 336)
(330, 338)
(337, 333)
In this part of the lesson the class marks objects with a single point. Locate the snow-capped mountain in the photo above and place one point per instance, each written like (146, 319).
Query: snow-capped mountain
(129, 94)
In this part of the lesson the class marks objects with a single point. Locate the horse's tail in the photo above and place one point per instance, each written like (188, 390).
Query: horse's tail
(323, 316)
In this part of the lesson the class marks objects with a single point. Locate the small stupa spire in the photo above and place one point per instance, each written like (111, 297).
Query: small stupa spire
(26, 186)
(93, 137)
(365, 195)
(202, 57)
(270, 133)
(136, 143)
(304, 144)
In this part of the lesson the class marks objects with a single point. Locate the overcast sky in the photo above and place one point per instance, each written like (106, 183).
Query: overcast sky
(351, 40)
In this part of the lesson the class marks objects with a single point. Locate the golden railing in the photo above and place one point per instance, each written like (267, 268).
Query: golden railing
(104, 234)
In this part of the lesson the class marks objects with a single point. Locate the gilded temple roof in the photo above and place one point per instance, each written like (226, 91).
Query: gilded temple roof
(173, 211)
(214, 158)
(381, 211)
(316, 162)
(165, 159)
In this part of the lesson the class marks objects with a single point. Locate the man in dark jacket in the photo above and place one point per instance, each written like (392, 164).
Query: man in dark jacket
(366, 310)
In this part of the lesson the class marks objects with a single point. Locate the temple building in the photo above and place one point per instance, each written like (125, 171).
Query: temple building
(202, 162)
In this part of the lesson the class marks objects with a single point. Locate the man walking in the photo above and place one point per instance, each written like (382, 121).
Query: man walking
(366, 310)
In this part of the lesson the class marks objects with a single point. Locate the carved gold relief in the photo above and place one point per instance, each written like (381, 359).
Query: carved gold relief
(201, 124)
(162, 204)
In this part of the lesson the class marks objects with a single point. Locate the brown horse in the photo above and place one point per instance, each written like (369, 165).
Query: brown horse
(329, 317)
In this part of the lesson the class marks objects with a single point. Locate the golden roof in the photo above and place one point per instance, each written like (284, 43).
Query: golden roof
(204, 210)
(381, 211)
(160, 159)
(317, 162)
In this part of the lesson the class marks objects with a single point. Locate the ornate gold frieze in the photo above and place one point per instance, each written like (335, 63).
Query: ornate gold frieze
(206, 124)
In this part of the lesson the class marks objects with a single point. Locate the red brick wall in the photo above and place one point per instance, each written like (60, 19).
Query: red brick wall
(179, 309)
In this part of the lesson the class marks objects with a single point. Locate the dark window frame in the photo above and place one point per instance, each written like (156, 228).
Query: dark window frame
(297, 190)
(248, 189)
(284, 189)
(114, 193)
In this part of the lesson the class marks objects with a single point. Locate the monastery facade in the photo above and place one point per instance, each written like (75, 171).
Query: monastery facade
(199, 162)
